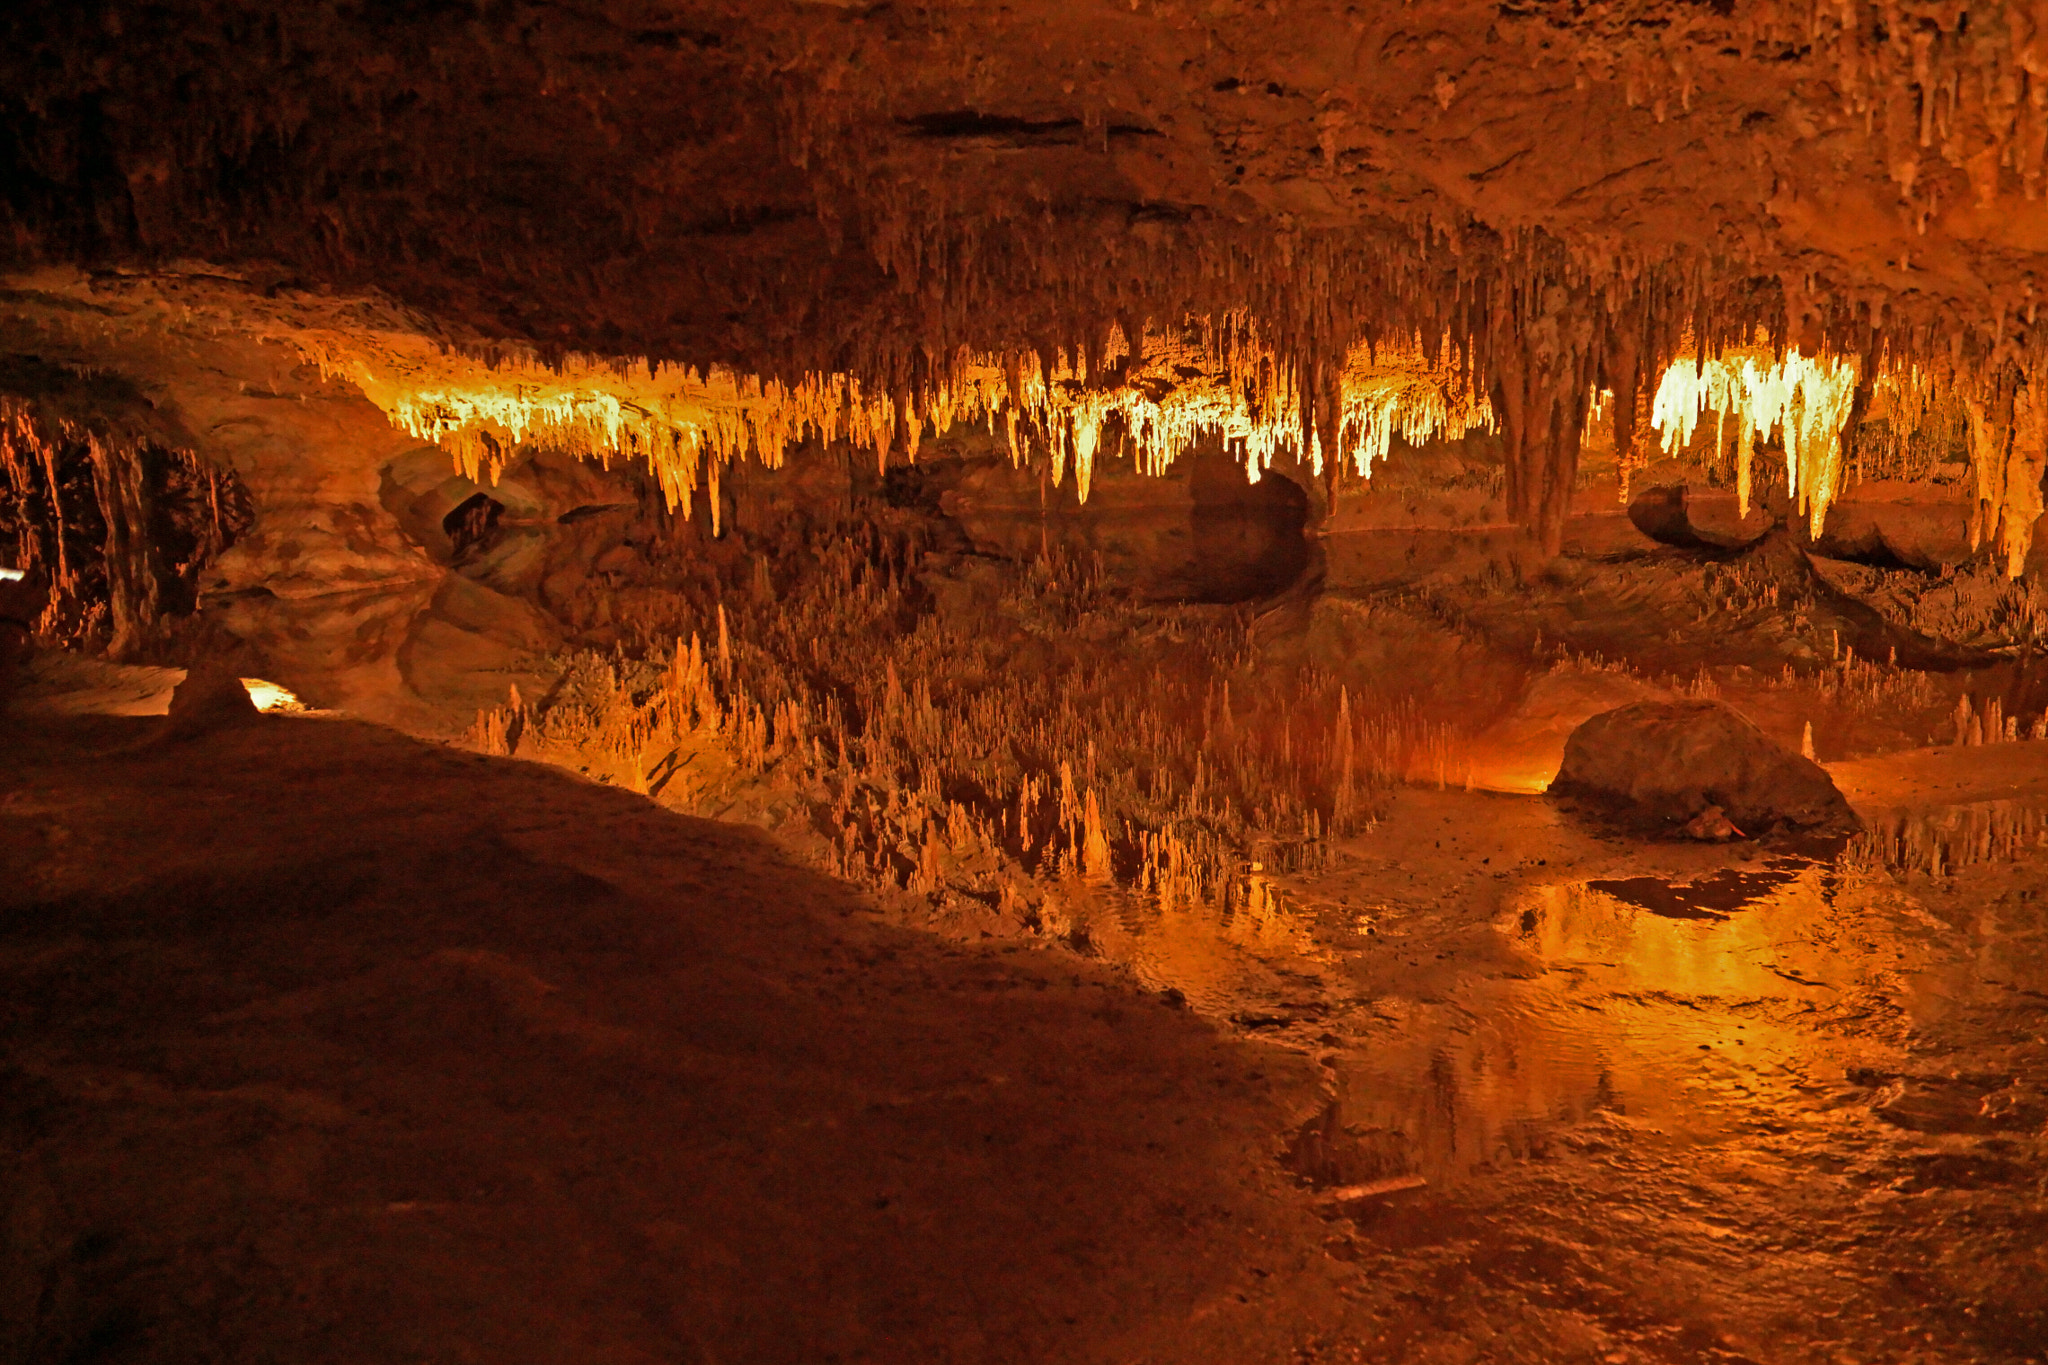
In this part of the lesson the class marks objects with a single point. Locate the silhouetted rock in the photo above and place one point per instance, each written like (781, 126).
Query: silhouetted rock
(211, 698)
(1669, 763)
(1660, 514)
(21, 602)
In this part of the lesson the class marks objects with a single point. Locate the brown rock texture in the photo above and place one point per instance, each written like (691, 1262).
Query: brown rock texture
(210, 698)
(1669, 762)
(323, 1043)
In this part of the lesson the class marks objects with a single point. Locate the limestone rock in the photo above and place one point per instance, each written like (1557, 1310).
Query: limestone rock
(1670, 763)
(20, 603)
(1711, 826)
(211, 698)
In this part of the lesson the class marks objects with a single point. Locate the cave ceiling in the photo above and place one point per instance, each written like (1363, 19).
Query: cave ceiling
(790, 186)
(701, 231)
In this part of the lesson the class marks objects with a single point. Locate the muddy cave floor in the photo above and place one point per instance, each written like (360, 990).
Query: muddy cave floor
(324, 1043)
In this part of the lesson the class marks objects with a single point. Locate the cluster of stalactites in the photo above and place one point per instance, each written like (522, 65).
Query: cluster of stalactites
(45, 525)
(1168, 395)
(1804, 401)
(1964, 83)
(685, 424)
(2002, 405)
(2008, 455)
(1153, 399)
(1972, 89)
(28, 468)
(1808, 405)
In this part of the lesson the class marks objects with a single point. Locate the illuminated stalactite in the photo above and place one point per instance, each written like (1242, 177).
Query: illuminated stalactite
(2008, 457)
(1516, 329)
(1805, 401)
(1811, 404)
(1156, 400)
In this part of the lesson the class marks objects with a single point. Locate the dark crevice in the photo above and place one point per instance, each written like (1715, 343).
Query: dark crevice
(965, 124)
(474, 523)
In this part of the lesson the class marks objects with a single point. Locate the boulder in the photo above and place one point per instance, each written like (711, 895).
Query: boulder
(211, 698)
(1667, 763)
(21, 603)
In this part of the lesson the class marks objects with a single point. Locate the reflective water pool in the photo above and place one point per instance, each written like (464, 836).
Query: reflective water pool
(1597, 1100)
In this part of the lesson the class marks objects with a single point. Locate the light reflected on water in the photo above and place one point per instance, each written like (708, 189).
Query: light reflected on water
(1663, 1023)
(1734, 1103)
(1940, 841)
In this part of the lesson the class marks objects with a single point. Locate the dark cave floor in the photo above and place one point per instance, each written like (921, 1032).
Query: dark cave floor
(320, 1042)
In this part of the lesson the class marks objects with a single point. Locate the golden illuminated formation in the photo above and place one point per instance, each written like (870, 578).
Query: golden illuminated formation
(2008, 454)
(1805, 400)
(1152, 401)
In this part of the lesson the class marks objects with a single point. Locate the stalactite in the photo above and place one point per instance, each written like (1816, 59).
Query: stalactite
(1543, 367)
(1624, 378)
(1808, 402)
(1167, 395)
(88, 511)
(131, 564)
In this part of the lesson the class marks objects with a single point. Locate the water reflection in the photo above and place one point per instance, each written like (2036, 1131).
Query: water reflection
(1723, 1104)
(1939, 841)
(1663, 1022)
(1255, 960)
(1714, 896)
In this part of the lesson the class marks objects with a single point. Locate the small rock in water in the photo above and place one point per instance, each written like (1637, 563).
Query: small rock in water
(1713, 826)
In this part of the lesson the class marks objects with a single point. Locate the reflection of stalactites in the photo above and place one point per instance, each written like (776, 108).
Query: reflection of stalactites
(1095, 863)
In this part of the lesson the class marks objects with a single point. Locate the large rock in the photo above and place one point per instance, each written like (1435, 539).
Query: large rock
(1668, 762)
(211, 698)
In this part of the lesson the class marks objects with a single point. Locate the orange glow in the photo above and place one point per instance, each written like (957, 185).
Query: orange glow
(269, 697)
(688, 424)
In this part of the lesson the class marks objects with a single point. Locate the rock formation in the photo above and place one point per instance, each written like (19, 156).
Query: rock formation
(1686, 763)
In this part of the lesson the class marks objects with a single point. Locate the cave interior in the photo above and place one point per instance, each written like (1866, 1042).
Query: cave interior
(1023, 680)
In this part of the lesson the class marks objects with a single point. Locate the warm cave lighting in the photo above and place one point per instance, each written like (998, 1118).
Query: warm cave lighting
(269, 697)
(1210, 378)
(1515, 781)
(12, 575)
(1805, 400)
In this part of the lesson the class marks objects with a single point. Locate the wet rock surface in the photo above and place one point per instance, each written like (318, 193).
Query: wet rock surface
(1667, 763)
(1597, 1099)
(1583, 1098)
